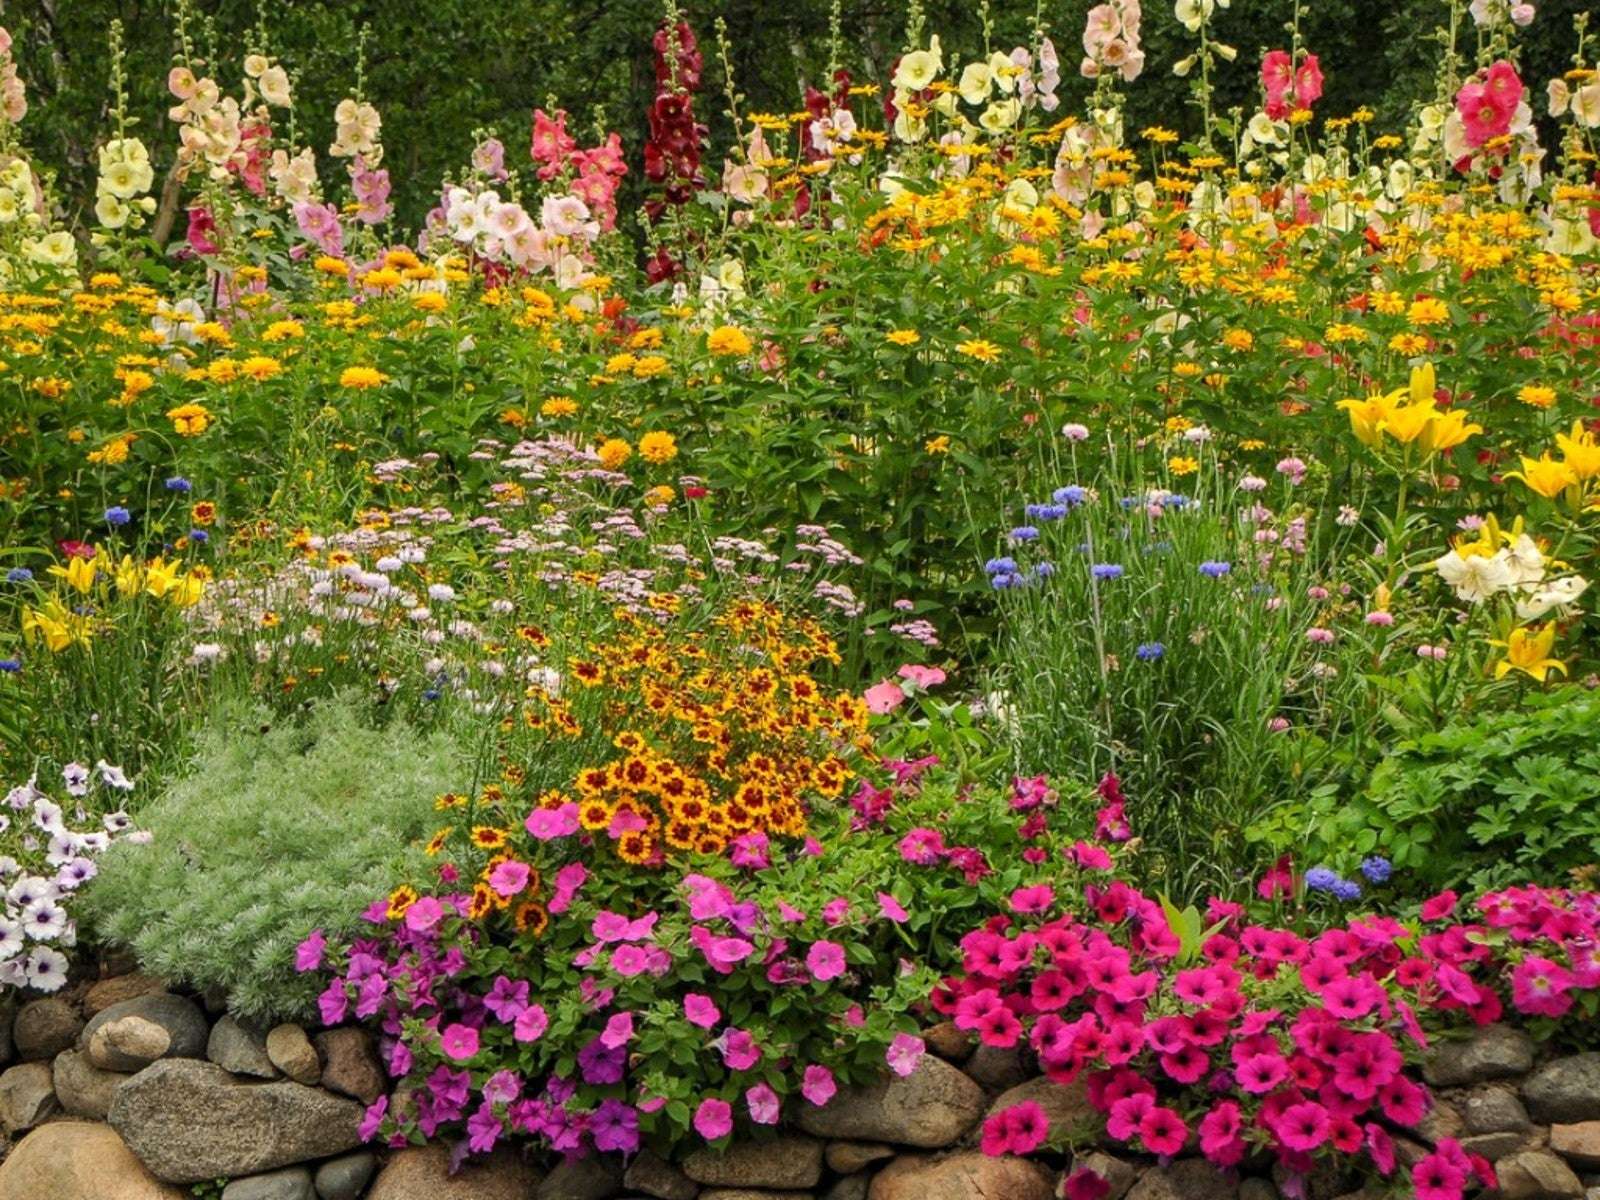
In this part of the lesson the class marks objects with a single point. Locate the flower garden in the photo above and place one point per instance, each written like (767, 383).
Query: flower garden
(950, 646)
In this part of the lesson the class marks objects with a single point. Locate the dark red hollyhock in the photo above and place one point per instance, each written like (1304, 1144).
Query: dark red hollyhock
(672, 151)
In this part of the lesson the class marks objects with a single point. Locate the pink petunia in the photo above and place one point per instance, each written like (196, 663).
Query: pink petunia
(459, 1042)
(763, 1104)
(817, 1085)
(530, 1024)
(825, 960)
(904, 1053)
(700, 1010)
(713, 1119)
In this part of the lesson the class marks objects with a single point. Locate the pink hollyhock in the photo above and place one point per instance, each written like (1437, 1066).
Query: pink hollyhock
(1308, 82)
(459, 1042)
(884, 697)
(817, 1085)
(922, 677)
(713, 1119)
(1277, 75)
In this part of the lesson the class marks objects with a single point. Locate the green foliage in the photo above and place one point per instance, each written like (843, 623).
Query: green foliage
(277, 830)
(1491, 798)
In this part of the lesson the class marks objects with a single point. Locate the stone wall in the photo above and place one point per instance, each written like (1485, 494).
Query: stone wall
(124, 1091)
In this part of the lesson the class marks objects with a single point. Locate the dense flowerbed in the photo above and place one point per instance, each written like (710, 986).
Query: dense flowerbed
(1125, 593)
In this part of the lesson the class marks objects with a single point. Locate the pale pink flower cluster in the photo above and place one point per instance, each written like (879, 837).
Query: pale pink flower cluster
(1111, 41)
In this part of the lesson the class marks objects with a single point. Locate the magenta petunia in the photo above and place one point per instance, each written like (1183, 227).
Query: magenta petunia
(713, 1119)
(459, 1042)
(825, 960)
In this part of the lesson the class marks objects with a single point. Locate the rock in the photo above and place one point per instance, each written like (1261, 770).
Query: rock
(27, 1096)
(1066, 1105)
(966, 1176)
(190, 1121)
(949, 1043)
(135, 1033)
(291, 1051)
(1579, 1144)
(1495, 1146)
(1186, 1179)
(1257, 1189)
(655, 1176)
(849, 1157)
(345, 1177)
(591, 1178)
(790, 1161)
(82, 1088)
(107, 992)
(1565, 1090)
(851, 1187)
(44, 1028)
(423, 1173)
(1118, 1175)
(78, 1160)
(997, 1069)
(292, 1183)
(1495, 1110)
(349, 1064)
(8, 1013)
(754, 1194)
(1493, 1052)
(1537, 1175)
(239, 1049)
(1443, 1120)
(934, 1106)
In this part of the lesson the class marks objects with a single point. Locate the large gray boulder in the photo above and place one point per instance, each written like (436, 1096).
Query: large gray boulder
(934, 1106)
(190, 1121)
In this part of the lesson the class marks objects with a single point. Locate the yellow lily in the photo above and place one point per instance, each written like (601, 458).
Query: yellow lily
(1406, 424)
(160, 577)
(55, 625)
(79, 573)
(1580, 451)
(188, 591)
(1448, 430)
(1367, 416)
(129, 577)
(1529, 652)
(1544, 475)
(1423, 383)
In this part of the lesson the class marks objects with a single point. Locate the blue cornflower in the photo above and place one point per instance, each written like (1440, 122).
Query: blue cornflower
(179, 484)
(1045, 512)
(18, 575)
(1024, 533)
(117, 515)
(1129, 501)
(199, 536)
(1377, 869)
(1002, 580)
(1174, 500)
(1215, 569)
(1044, 570)
(1001, 566)
(1149, 651)
(1071, 495)
(10, 665)
(1322, 879)
(1106, 570)
(1347, 889)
